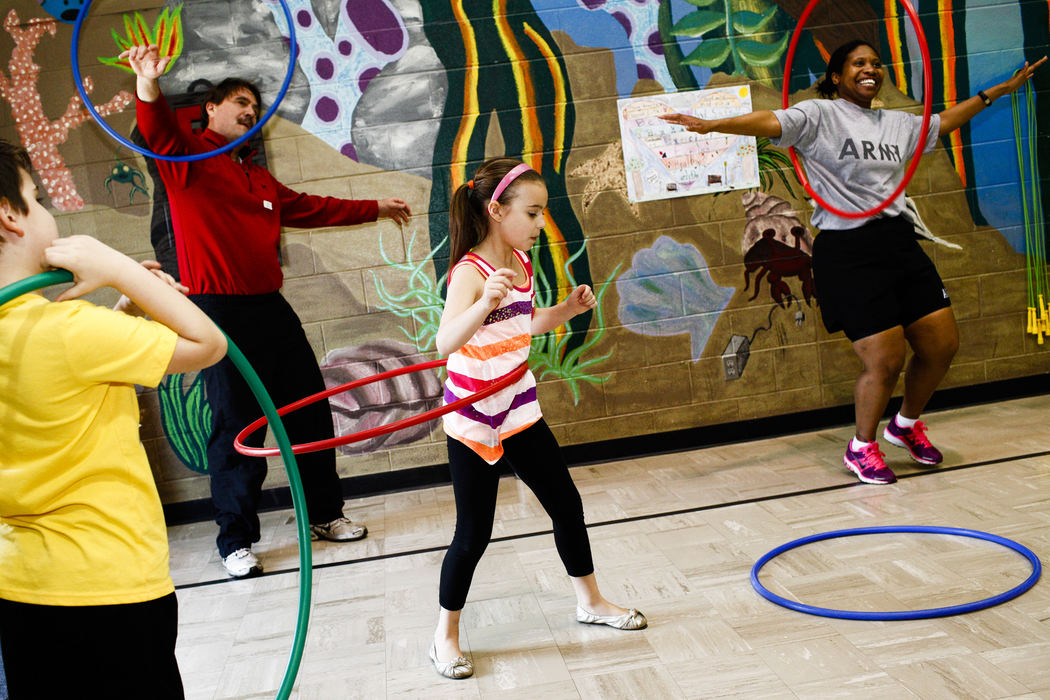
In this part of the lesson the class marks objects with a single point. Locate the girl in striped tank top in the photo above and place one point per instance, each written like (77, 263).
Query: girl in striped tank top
(486, 330)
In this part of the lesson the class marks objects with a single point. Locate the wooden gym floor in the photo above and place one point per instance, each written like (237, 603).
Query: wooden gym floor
(674, 535)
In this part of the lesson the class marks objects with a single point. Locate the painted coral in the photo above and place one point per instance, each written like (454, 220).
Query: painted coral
(40, 135)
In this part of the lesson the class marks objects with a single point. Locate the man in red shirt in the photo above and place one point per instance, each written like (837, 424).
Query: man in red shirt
(227, 215)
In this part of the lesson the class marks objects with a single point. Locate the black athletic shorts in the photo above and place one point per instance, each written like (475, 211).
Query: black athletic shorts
(872, 278)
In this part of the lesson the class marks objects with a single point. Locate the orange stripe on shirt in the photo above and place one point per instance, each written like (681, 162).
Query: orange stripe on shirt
(485, 352)
(487, 453)
(490, 453)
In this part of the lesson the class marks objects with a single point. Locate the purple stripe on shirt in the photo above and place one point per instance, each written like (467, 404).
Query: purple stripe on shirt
(494, 421)
(509, 311)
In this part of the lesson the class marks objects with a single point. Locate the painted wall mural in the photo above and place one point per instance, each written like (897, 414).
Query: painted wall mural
(62, 10)
(737, 39)
(418, 93)
(186, 419)
(380, 403)
(166, 33)
(38, 133)
(237, 38)
(504, 66)
(346, 45)
(976, 44)
(397, 118)
(639, 19)
(776, 245)
(669, 291)
(339, 64)
(124, 174)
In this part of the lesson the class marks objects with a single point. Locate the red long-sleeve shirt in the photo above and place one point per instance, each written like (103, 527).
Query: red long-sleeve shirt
(227, 215)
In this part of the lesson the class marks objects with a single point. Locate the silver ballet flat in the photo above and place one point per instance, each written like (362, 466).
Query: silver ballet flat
(630, 620)
(459, 667)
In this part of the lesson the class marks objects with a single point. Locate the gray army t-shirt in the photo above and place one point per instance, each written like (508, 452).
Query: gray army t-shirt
(854, 157)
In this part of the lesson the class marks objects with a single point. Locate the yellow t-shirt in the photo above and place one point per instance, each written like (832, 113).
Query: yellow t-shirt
(80, 519)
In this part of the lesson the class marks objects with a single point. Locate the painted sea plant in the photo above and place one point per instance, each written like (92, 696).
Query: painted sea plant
(422, 302)
(551, 356)
(166, 33)
(669, 291)
(186, 419)
(507, 75)
(773, 162)
(723, 31)
(41, 135)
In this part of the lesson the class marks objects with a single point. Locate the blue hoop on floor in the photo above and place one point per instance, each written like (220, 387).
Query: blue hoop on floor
(905, 614)
(75, 61)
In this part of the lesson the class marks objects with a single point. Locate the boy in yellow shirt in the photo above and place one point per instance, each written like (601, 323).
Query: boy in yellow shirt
(86, 599)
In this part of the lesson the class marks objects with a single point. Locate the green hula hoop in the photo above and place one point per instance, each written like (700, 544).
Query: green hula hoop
(47, 279)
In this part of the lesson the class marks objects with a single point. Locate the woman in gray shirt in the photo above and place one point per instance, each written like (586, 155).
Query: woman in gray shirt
(873, 280)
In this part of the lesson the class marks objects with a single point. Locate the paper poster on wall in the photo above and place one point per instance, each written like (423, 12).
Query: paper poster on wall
(663, 160)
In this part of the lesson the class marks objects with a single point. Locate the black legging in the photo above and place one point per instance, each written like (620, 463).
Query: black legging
(536, 459)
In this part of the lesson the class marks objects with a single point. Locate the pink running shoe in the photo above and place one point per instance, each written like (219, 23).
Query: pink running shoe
(914, 440)
(867, 463)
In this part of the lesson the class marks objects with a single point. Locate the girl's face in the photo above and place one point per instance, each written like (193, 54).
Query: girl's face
(520, 222)
(861, 76)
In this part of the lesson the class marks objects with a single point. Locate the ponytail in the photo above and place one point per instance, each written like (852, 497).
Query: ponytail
(468, 217)
(466, 222)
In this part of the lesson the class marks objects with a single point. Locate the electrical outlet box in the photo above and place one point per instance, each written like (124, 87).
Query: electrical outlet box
(734, 358)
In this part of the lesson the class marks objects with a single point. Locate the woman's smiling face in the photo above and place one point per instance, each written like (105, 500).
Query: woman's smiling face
(861, 76)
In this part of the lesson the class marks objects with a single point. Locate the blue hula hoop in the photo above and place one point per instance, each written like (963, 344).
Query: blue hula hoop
(75, 64)
(904, 614)
(295, 484)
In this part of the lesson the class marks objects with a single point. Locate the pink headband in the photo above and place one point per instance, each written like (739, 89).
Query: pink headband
(507, 179)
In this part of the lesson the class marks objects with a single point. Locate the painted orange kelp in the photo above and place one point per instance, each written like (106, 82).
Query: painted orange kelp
(502, 64)
(166, 34)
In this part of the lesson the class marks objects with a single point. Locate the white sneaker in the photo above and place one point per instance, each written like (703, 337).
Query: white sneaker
(242, 564)
(339, 530)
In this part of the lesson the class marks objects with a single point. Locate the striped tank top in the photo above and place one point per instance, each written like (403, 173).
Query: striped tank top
(495, 350)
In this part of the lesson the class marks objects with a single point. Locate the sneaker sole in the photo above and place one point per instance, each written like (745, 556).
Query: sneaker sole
(314, 537)
(252, 573)
(897, 442)
(856, 472)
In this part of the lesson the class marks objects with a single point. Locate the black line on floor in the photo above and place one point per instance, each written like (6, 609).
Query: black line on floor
(636, 518)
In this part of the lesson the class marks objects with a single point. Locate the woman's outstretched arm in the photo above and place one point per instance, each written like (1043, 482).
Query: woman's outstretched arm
(962, 112)
(761, 123)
